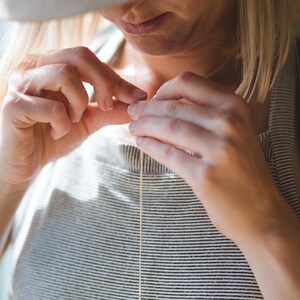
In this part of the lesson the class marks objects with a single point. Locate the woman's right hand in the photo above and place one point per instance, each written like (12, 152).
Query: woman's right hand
(46, 112)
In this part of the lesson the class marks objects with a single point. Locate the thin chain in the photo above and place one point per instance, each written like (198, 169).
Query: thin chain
(141, 224)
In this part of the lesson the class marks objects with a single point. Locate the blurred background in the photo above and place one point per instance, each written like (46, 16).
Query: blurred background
(5, 261)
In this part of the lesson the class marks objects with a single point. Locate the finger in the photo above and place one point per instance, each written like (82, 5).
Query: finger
(105, 81)
(59, 77)
(25, 111)
(176, 160)
(198, 115)
(176, 132)
(124, 90)
(220, 122)
(196, 89)
(93, 118)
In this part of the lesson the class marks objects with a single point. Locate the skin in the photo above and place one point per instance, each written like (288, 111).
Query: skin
(193, 25)
(196, 31)
(192, 82)
(53, 117)
(198, 111)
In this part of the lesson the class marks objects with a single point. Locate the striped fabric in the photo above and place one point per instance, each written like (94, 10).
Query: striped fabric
(80, 236)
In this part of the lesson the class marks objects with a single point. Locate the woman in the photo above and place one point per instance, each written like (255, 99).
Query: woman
(221, 173)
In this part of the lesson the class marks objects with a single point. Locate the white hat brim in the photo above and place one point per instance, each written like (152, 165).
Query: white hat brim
(33, 10)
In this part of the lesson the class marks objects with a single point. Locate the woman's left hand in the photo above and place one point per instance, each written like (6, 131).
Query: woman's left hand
(228, 171)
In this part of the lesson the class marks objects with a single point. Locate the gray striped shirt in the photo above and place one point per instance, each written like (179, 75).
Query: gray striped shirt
(80, 235)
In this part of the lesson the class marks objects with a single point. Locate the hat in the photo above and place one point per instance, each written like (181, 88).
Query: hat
(33, 10)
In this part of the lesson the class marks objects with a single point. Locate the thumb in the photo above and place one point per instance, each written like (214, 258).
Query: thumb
(94, 118)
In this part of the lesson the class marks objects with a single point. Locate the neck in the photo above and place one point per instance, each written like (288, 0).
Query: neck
(213, 58)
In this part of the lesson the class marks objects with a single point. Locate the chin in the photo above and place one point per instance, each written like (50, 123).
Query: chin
(152, 45)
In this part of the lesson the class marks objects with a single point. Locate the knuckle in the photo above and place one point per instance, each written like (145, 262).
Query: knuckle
(186, 76)
(66, 72)
(228, 123)
(173, 126)
(206, 175)
(83, 52)
(225, 150)
(172, 108)
(167, 151)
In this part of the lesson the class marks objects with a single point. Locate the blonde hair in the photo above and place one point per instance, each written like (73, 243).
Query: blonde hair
(265, 32)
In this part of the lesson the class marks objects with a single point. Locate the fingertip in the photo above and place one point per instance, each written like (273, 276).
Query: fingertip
(109, 103)
(77, 118)
(102, 104)
(55, 134)
(73, 114)
(131, 110)
(127, 93)
(139, 94)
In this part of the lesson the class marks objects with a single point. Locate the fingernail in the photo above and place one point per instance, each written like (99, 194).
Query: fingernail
(131, 109)
(154, 97)
(139, 94)
(78, 117)
(109, 103)
(132, 126)
(56, 135)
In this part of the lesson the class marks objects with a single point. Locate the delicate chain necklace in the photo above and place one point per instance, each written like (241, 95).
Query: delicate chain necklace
(141, 223)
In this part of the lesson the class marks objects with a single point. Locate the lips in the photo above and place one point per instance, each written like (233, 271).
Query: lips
(144, 27)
